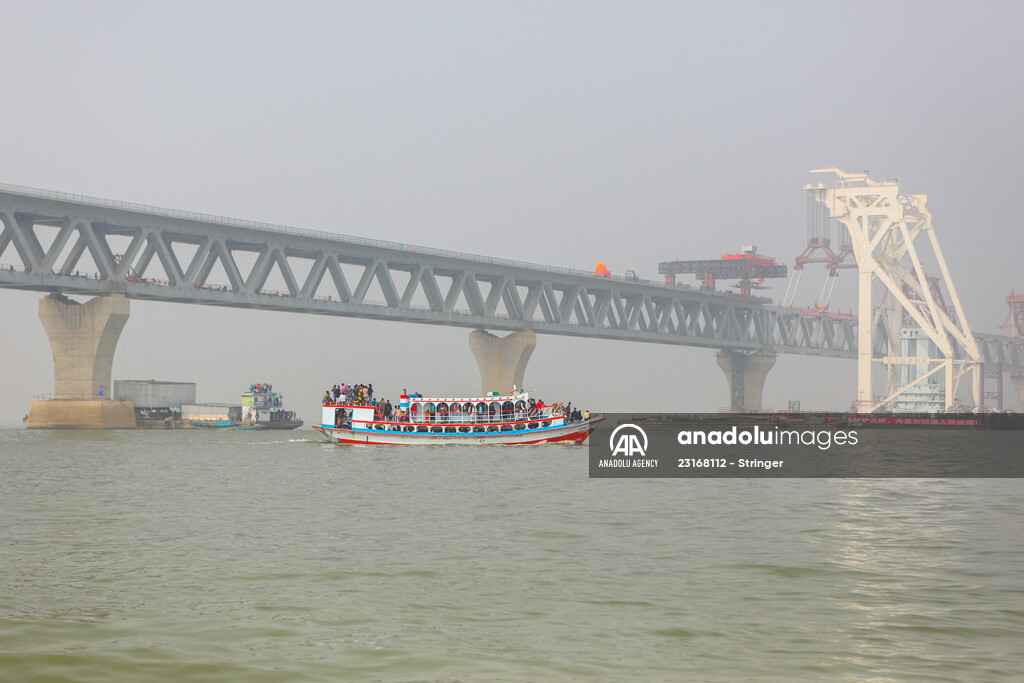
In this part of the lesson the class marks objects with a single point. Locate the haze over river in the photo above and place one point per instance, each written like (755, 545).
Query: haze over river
(268, 556)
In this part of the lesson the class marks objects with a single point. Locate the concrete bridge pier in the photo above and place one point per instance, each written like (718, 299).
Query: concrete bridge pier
(502, 360)
(745, 373)
(1018, 386)
(83, 338)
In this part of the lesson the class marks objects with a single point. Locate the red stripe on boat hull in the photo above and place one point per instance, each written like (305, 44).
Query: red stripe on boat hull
(577, 435)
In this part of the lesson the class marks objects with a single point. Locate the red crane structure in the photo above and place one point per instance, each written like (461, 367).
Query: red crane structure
(749, 267)
(1015, 316)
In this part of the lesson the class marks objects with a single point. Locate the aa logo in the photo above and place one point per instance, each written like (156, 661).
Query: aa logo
(626, 440)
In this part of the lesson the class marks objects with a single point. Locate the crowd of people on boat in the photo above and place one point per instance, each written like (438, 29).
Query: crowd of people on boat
(385, 411)
(260, 388)
(351, 394)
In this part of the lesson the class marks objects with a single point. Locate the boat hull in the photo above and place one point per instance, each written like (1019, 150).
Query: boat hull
(222, 424)
(575, 433)
(281, 424)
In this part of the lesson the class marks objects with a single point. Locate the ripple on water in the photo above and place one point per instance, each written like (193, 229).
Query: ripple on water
(169, 556)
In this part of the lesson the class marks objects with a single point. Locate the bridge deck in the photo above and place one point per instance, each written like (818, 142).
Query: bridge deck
(164, 255)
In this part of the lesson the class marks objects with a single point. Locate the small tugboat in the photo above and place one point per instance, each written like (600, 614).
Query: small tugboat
(499, 420)
(263, 408)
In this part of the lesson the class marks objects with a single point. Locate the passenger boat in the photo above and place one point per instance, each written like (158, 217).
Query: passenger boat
(498, 420)
(263, 408)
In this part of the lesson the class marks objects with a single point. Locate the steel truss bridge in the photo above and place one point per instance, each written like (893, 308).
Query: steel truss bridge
(87, 246)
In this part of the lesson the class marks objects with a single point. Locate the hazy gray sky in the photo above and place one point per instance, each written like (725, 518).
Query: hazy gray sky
(560, 133)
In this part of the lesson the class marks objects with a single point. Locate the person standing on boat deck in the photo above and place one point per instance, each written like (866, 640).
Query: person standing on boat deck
(327, 396)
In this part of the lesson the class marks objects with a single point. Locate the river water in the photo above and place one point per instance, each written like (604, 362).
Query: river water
(261, 556)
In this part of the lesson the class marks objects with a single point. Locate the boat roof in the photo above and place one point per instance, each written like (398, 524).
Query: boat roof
(518, 396)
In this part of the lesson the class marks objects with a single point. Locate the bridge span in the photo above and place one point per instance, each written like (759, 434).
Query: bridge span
(63, 244)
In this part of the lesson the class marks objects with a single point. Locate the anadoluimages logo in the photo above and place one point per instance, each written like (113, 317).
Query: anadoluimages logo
(628, 442)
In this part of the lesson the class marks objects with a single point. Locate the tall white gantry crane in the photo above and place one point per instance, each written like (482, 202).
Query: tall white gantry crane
(891, 233)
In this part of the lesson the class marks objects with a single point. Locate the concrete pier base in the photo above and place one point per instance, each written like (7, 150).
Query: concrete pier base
(502, 360)
(73, 414)
(1018, 386)
(83, 338)
(745, 373)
